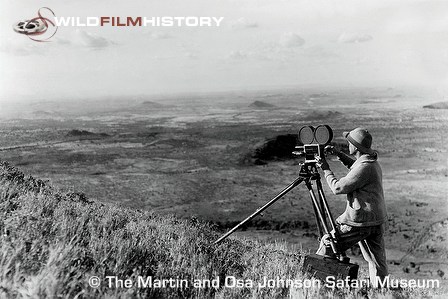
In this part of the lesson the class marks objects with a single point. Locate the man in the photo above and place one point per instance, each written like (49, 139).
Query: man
(365, 215)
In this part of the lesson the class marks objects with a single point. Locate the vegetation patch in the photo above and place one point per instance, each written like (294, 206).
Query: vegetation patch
(85, 133)
(277, 148)
(53, 242)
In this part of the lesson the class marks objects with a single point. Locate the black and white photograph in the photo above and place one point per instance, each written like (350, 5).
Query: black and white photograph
(224, 149)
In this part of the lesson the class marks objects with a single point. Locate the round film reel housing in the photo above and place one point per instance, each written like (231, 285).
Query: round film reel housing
(306, 134)
(323, 134)
(29, 27)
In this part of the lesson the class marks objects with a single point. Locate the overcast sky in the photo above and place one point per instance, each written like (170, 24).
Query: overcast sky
(260, 44)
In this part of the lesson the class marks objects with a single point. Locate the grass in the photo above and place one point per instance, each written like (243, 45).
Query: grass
(52, 243)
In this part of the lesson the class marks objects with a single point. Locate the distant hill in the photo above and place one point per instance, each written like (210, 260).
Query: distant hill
(151, 104)
(438, 105)
(261, 104)
(321, 115)
(42, 113)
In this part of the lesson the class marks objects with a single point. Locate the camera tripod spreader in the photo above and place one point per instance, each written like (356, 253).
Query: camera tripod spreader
(324, 219)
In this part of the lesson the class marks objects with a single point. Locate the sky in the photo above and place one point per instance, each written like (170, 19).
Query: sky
(260, 45)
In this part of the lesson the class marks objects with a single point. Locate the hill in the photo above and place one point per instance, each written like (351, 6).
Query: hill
(439, 105)
(55, 243)
(321, 115)
(261, 105)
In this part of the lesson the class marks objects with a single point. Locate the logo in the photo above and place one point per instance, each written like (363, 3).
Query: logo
(43, 27)
(40, 28)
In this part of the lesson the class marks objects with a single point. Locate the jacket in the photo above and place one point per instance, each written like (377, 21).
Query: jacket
(364, 189)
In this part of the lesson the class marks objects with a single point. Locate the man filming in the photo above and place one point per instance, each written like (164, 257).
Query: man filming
(365, 215)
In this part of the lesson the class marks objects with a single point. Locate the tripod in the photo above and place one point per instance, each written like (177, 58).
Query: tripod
(324, 219)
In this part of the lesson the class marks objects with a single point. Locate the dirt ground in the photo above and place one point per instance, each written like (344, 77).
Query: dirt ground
(190, 156)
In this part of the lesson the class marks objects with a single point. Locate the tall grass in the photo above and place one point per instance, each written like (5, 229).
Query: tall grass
(53, 242)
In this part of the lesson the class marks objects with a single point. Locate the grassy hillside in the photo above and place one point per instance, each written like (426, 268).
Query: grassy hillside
(53, 242)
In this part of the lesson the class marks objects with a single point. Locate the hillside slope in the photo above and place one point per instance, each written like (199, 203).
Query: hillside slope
(54, 242)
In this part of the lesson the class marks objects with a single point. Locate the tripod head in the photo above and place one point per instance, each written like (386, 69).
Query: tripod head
(309, 170)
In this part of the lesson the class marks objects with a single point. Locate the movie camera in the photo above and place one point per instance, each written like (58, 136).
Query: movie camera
(314, 141)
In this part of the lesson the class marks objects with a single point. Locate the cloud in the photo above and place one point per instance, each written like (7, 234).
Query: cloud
(157, 35)
(238, 55)
(319, 53)
(25, 47)
(291, 40)
(91, 40)
(62, 41)
(191, 55)
(243, 23)
(354, 38)
(160, 35)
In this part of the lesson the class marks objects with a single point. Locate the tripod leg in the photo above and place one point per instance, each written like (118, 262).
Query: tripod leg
(261, 209)
(325, 204)
(335, 234)
(321, 205)
(318, 224)
(320, 215)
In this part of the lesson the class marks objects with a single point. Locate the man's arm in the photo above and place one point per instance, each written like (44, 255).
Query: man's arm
(355, 179)
(345, 159)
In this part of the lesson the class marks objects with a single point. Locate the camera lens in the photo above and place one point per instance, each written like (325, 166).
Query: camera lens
(323, 134)
(306, 134)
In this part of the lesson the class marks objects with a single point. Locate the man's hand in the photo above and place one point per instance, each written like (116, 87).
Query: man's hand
(332, 150)
(326, 239)
(322, 163)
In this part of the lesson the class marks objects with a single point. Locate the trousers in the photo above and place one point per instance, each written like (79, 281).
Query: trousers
(371, 242)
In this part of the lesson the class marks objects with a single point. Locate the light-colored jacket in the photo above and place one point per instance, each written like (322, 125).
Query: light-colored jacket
(364, 189)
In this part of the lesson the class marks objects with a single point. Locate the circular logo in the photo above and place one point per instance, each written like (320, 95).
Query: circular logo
(40, 28)
(29, 27)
